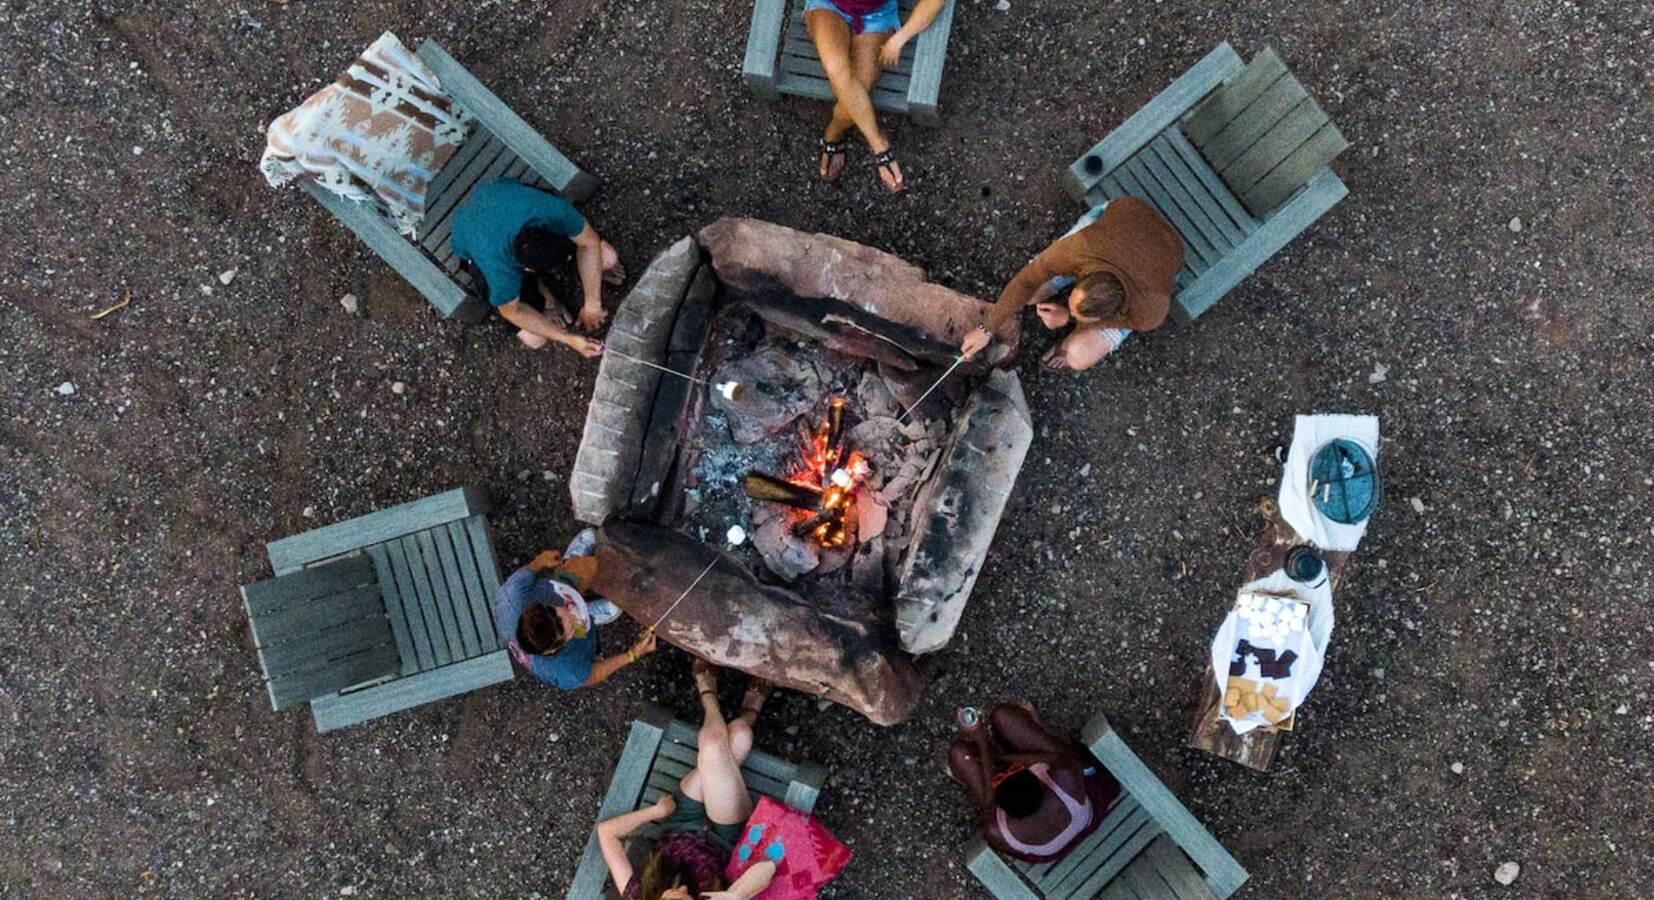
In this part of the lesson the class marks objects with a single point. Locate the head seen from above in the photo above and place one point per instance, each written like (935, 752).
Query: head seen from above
(543, 629)
(540, 250)
(1097, 297)
(1020, 794)
(669, 879)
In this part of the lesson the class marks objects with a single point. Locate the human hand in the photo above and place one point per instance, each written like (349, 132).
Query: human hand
(722, 895)
(891, 53)
(1053, 315)
(591, 317)
(665, 806)
(590, 348)
(645, 644)
(975, 342)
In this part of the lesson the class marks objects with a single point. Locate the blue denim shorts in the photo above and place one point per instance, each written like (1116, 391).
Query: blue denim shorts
(887, 19)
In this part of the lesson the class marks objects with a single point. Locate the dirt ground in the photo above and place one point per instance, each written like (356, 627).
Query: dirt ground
(1486, 290)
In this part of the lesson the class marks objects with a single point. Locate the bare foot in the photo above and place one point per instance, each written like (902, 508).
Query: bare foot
(890, 171)
(832, 158)
(613, 271)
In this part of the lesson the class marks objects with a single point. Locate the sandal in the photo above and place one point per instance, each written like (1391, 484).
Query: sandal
(758, 690)
(831, 150)
(885, 161)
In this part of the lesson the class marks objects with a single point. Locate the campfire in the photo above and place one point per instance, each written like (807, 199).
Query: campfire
(826, 488)
(840, 513)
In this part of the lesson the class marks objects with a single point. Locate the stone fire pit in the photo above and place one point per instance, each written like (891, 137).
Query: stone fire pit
(798, 320)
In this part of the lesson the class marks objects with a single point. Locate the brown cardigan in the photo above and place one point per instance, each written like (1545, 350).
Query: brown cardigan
(1129, 241)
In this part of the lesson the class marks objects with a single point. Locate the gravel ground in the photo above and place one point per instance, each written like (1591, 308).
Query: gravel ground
(1485, 290)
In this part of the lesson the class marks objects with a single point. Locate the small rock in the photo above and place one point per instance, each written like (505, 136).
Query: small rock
(1515, 228)
(310, 512)
(398, 388)
(1622, 709)
(1507, 872)
(1457, 767)
(348, 890)
(350, 303)
(66, 389)
(1418, 505)
(554, 737)
(1002, 6)
(137, 151)
(1379, 375)
(548, 475)
(1085, 471)
(736, 536)
(226, 276)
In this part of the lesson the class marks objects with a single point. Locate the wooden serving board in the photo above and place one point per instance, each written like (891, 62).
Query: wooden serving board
(1256, 749)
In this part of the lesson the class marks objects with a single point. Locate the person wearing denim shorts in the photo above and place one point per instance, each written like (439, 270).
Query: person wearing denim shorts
(856, 40)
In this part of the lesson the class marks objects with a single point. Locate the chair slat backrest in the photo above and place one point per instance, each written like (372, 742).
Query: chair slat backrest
(320, 630)
(1263, 134)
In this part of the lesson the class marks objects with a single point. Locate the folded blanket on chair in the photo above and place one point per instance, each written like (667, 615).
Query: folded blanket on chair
(379, 132)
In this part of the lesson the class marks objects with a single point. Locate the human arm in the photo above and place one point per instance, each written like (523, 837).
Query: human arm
(603, 668)
(751, 883)
(535, 322)
(612, 833)
(924, 13)
(588, 259)
(1018, 293)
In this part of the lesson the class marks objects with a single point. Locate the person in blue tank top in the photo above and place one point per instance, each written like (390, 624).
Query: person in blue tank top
(510, 235)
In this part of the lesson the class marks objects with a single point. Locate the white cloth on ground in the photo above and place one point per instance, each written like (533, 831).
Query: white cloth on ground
(380, 132)
(1297, 510)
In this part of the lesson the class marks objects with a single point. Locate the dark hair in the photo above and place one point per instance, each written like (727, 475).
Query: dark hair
(1020, 795)
(661, 875)
(1104, 296)
(541, 249)
(540, 631)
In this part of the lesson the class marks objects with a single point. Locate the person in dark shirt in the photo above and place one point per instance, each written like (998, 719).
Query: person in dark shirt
(512, 235)
(1036, 794)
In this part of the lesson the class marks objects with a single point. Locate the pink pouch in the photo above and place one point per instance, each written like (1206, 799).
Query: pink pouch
(806, 855)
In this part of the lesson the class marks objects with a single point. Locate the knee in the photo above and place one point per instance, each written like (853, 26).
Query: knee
(713, 739)
(1081, 357)
(1010, 717)
(961, 758)
(841, 74)
(739, 731)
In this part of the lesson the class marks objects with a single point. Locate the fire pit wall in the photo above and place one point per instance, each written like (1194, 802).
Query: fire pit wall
(852, 299)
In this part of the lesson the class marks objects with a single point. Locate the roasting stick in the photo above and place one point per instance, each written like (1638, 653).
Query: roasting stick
(933, 387)
(685, 593)
(645, 362)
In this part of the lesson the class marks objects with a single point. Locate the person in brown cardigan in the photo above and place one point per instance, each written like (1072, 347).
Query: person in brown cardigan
(1123, 265)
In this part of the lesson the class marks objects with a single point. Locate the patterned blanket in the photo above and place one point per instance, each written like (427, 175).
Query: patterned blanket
(381, 131)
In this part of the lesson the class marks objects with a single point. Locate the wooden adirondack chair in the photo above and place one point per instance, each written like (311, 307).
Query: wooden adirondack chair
(1149, 846)
(1234, 156)
(501, 145)
(659, 752)
(781, 59)
(381, 613)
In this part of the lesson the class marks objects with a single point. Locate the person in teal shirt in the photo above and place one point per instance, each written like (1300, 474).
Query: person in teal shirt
(511, 234)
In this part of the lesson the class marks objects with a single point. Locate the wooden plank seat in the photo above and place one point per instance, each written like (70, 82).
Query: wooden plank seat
(781, 59)
(501, 145)
(659, 751)
(1149, 845)
(1234, 156)
(383, 612)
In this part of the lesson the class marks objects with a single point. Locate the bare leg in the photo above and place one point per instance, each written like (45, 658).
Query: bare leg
(833, 45)
(716, 779)
(531, 340)
(1085, 348)
(864, 60)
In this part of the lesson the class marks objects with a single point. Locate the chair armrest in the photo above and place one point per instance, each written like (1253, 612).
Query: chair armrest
(506, 125)
(1165, 109)
(930, 55)
(769, 17)
(293, 553)
(1223, 874)
(371, 226)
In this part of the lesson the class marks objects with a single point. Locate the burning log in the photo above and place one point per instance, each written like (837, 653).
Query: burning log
(779, 490)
